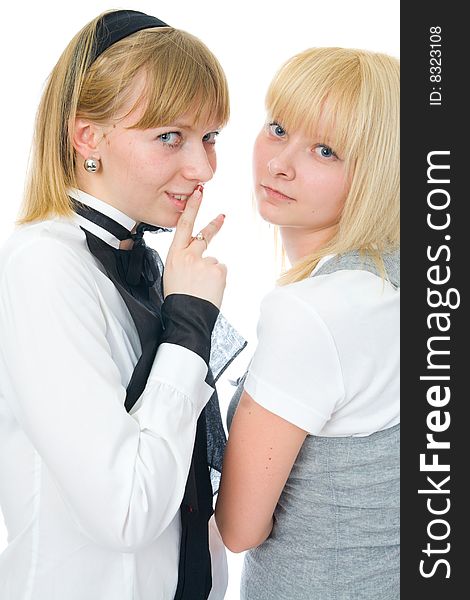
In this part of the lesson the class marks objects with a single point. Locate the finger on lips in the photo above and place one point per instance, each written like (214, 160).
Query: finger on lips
(183, 237)
(184, 227)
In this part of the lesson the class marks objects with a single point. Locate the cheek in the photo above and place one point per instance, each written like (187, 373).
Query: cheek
(330, 189)
(212, 158)
(342, 191)
(129, 162)
(154, 166)
(260, 158)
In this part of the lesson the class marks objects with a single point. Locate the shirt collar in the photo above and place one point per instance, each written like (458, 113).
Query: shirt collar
(105, 209)
(321, 262)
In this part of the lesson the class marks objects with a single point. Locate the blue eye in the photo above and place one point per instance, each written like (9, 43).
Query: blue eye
(276, 129)
(171, 138)
(210, 138)
(325, 151)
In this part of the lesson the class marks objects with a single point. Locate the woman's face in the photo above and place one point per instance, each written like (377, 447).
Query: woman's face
(299, 182)
(149, 174)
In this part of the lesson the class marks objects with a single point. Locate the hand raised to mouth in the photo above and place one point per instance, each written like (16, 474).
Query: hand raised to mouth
(187, 271)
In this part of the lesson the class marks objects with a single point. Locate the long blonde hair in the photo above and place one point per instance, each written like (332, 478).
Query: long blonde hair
(181, 75)
(356, 93)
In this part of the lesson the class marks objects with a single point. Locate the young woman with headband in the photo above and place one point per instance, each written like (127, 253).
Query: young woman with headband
(310, 482)
(109, 420)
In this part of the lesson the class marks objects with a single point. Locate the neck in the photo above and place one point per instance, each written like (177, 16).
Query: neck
(299, 243)
(126, 244)
(92, 183)
(113, 224)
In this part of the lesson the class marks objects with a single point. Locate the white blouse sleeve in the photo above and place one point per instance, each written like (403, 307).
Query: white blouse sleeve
(122, 475)
(295, 372)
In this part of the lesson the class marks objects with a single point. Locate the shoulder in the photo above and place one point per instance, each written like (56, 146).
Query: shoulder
(345, 294)
(46, 249)
(52, 238)
(334, 307)
(313, 297)
(290, 318)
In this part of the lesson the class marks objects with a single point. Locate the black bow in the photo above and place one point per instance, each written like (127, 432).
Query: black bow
(141, 268)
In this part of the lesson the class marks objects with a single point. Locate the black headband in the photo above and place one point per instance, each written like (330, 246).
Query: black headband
(119, 24)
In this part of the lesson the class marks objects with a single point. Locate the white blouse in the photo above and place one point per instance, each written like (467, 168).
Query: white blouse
(90, 494)
(328, 354)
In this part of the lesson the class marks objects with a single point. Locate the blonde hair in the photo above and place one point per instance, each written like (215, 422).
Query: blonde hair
(181, 75)
(355, 94)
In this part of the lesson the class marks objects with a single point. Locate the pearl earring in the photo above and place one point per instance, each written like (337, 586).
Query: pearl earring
(91, 164)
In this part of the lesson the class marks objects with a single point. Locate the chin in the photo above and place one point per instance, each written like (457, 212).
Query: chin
(269, 219)
(270, 213)
(168, 221)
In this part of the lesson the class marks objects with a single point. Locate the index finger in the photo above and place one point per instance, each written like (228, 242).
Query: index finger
(185, 225)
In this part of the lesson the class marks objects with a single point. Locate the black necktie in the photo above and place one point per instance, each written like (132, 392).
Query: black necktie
(137, 275)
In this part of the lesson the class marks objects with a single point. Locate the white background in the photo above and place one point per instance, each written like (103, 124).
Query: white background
(251, 39)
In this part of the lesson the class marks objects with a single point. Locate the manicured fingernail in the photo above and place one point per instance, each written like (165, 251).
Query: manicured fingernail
(200, 188)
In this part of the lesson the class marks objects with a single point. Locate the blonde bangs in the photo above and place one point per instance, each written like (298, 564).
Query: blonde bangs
(310, 93)
(182, 76)
(186, 78)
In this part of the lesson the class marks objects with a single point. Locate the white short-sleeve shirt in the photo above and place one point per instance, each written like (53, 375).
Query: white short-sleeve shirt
(327, 358)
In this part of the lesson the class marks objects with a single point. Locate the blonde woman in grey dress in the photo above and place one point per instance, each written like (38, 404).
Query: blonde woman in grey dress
(310, 484)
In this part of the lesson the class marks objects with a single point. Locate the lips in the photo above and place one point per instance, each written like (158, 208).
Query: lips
(179, 196)
(278, 195)
(179, 200)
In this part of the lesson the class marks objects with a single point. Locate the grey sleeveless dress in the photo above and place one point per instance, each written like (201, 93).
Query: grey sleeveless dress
(336, 525)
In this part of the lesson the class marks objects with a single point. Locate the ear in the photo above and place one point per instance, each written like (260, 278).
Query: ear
(86, 137)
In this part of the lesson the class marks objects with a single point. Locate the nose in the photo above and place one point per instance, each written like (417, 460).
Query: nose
(198, 165)
(281, 165)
